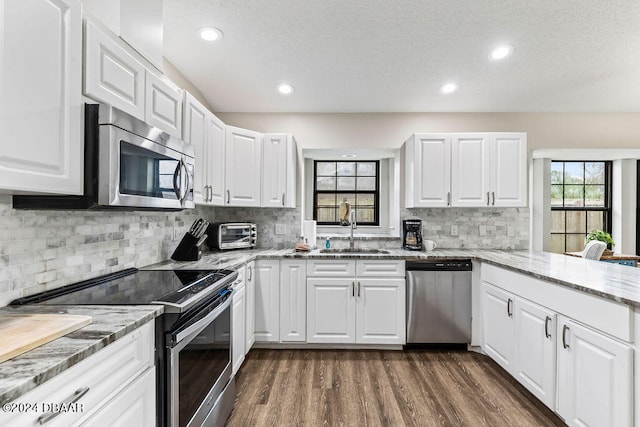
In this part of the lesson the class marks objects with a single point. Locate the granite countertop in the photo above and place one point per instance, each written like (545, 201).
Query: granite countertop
(611, 281)
(109, 323)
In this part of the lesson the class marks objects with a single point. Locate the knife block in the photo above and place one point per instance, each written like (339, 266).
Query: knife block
(187, 249)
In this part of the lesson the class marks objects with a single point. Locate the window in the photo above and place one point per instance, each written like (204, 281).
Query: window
(580, 202)
(357, 182)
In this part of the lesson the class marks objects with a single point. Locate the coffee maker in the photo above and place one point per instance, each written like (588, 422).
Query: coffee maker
(412, 234)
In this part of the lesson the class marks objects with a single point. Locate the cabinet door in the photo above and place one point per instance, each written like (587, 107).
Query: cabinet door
(470, 163)
(133, 406)
(111, 74)
(498, 325)
(250, 306)
(595, 375)
(267, 317)
(238, 329)
(535, 341)
(293, 300)
(244, 165)
(194, 133)
(428, 171)
(163, 105)
(380, 311)
(509, 169)
(331, 310)
(216, 159)
(278, 171)
(40, 90)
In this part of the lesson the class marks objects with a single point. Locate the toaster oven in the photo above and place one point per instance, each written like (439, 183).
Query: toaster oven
(232, 235)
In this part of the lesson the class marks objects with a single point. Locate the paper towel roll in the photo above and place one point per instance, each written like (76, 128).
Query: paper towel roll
(309, 232)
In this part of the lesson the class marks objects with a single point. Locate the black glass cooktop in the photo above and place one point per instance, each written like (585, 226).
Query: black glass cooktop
(136, 287)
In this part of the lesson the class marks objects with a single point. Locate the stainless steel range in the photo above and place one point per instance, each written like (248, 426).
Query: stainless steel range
(193, 337)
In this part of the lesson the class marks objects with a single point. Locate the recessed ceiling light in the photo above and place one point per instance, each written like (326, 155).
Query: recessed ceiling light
(349, 156)
(449, 88)
(210, 34)
(501, 52)
(285, 88)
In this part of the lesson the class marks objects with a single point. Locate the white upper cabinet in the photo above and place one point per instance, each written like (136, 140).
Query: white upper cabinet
(111, 74)
(163, 105)
(40, 82)
(427, 160)
(466, 170)
(509, 169)
(216, 168)
(470, 170)
(194, 133)
(279, 154)
(244, 165)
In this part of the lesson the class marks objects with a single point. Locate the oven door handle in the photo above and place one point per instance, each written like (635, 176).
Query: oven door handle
(197, 327)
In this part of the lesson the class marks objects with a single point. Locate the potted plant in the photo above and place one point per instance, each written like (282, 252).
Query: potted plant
(602, 236)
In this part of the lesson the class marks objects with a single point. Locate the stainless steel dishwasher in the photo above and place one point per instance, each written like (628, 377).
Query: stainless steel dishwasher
(439, 302)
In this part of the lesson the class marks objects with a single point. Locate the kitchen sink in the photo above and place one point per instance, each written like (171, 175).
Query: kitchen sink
(353, 251)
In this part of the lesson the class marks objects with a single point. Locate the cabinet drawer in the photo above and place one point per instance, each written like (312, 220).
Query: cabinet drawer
(377, 268)
(111, 74)
(104, 373)
(331, 268)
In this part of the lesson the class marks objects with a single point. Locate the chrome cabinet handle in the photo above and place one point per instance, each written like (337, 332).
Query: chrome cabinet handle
(282, 199)
(250, 273)
(546, 327)
(509, 309)
(353, 289)
(77, 395)
(487, 198)
(228, 196)
(206, 193)
(493, 198)
(449, 198)
(210, 193)
(565, 328)
(358, 288)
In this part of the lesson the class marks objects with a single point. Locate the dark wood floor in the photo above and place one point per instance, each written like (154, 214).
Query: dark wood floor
(368, 387)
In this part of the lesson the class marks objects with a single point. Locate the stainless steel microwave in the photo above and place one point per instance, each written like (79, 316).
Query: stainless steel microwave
(232, 235)
(128, 165)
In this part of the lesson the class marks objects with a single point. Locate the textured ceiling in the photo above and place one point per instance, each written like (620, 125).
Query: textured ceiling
(393, 55)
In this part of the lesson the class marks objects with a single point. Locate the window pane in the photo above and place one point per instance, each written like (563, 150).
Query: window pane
(556, 172)
(594, 195)
(573, 172)
(325, 183)
(594, 172)
(351, 198)
(365, 215)
(595, 221)
(366, 184)
(327, 215)
(366, 169)
(557, 221)
(325, 168)
(556, 195)
(346, 184)
(557, 243)
(326, 199)
(346, 169)
(365, 199)
(576, 222)
(574, 195)
(575, 242)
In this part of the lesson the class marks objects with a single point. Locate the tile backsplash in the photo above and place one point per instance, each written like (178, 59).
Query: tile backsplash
(41, 250)
(478, 228)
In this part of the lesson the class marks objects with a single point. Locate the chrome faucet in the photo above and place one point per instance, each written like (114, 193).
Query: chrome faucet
(353, 227)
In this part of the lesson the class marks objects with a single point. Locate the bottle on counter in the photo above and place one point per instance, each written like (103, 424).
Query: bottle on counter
(327, 243)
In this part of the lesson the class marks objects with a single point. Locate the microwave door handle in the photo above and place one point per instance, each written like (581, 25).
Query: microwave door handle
(186, 183)
(176, 178)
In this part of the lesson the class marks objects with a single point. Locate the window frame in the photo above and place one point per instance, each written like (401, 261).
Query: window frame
(376, 192)
(607, 209)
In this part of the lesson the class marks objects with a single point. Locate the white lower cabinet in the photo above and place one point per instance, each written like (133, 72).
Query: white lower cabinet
(238, 319)
(353, 309)
(498, 325)
(250, 306)
(267, 301)
(595, 377)
(293, 301)
(115, 386)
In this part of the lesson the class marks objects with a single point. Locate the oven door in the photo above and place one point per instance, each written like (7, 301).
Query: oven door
(199, 367)
(137, 172)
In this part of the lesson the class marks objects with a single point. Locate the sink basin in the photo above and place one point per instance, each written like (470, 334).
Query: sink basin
(353, 251)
